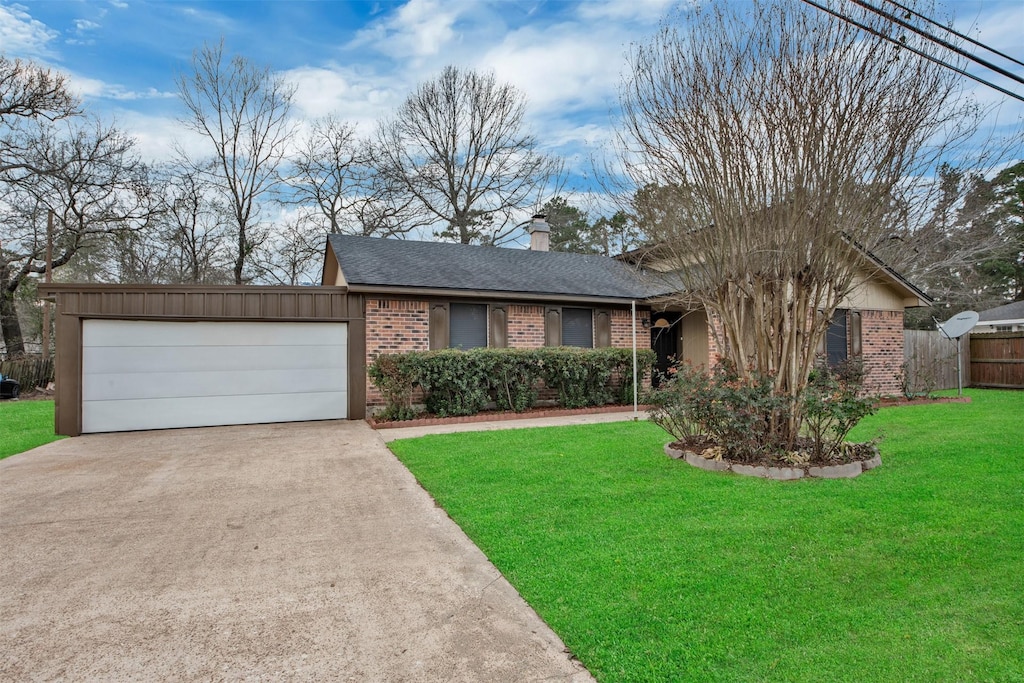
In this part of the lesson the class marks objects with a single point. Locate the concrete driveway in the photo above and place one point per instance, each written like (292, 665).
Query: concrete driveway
(271, 552)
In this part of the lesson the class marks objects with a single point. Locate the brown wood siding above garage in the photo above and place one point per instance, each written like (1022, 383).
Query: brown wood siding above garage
(187, 303)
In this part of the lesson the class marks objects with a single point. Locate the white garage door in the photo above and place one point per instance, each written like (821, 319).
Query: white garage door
(160, 375)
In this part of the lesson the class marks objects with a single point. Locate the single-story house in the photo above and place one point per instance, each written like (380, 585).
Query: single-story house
(1008, 318)
(430, 295)
(163, 356)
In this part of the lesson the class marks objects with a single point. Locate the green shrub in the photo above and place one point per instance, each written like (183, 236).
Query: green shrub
(832, 405)
(462, 382)
(679, 405)
(514, 377)
(455, 382)
(396, 375)
(741, 414)
(581, 377)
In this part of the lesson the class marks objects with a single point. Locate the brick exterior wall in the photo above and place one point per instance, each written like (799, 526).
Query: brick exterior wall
(881, 335)
(525, 326)
(714, 328)
(622, 329)
(394, 327)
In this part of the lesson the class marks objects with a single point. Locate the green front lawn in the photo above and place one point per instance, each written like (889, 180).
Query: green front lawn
(25, 425)
(651, 570)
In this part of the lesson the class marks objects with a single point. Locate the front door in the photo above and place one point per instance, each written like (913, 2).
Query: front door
(665, 342)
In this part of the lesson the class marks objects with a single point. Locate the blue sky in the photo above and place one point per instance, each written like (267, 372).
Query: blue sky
(358, 60)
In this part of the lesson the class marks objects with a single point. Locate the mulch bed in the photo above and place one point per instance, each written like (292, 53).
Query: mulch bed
(852, 452)
(498, 415)
(892, 401)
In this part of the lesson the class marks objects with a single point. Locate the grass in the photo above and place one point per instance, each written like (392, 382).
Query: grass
(651, 570)
(25, 425)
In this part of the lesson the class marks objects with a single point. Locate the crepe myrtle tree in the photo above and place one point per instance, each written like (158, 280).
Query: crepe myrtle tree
(458, 147)
(779, 137)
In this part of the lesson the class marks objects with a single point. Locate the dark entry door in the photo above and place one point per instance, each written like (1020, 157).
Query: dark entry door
(665, 342)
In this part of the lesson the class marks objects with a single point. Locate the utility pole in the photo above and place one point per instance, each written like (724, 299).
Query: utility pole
(47, 278)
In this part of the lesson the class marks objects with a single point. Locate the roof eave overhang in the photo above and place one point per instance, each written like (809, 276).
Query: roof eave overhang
(1008, 321)
(50, 290)
(435, 292)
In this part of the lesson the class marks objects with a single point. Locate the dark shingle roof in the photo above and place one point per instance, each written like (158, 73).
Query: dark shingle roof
(372, 261)
(1014, 311)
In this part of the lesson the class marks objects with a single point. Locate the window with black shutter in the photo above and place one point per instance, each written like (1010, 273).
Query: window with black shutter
(578, 327)
(467, 326)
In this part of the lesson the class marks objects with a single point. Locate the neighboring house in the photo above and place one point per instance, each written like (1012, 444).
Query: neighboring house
(1008, 318)
(431, 295)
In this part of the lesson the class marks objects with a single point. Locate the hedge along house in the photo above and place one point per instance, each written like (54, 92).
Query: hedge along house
(430, 295)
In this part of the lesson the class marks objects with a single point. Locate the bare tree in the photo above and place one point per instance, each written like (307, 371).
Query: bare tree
(96, 187)
(243, 111)
(195, 231)
(30, 92)
(333, 172)
(30, 97)
(292, 256)
(782, 136)
(458, 147)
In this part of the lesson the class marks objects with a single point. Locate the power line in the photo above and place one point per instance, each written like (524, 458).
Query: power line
(920, 53)
(956, 33)
(939, 41)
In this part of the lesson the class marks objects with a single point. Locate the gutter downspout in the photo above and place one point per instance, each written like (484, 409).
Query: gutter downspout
(636, 381)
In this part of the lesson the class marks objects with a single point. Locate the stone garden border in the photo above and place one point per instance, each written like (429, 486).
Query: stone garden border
(845, 471)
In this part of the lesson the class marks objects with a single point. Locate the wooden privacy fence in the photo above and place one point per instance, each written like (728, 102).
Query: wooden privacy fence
(28, 372)
(929, 361)
(997, 360)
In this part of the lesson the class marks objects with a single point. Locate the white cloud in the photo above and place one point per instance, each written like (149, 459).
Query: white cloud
(82, 25)
(119, 4)
(21, 34)
(625, 10)
(561, 67)
(359, 98)
(418, 29)
(94, 88)
(157, 137)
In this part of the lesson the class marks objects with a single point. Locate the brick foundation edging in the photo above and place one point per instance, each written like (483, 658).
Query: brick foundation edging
(893, 402)
(498, 416)
(845, 471)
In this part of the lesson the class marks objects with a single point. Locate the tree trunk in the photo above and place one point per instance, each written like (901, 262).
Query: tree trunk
(240, 259)
(10, 325)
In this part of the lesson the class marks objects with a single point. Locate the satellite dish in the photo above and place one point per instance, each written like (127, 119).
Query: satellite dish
(959, 325)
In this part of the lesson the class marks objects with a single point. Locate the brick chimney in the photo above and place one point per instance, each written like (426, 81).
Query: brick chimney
(540, 233)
